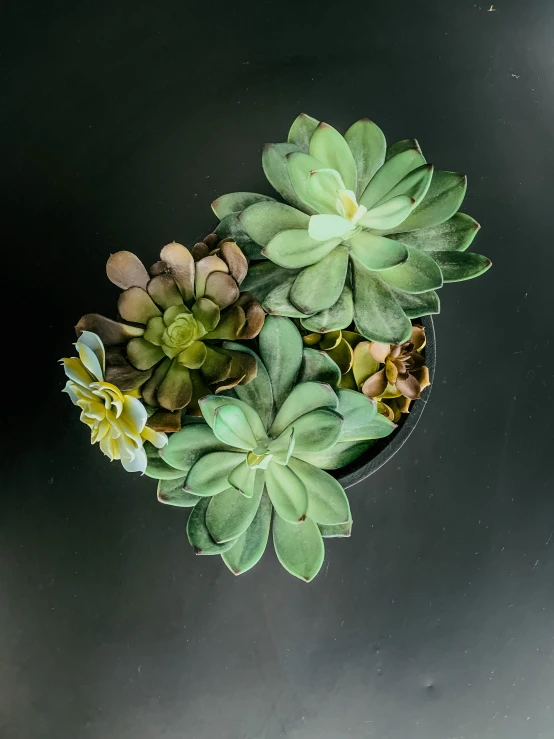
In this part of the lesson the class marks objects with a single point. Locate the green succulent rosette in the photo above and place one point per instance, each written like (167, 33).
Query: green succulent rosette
(258, 456)
(367, 232)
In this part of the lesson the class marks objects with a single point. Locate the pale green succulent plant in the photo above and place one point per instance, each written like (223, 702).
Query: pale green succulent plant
(264, 447)
(369, 232)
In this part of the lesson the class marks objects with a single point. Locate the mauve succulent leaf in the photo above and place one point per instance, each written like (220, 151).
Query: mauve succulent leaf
(231, 324)
(327, 501)
(207, 313)
(234, 258)
(120, 372)
(409, 387)
(217, 365)
(164, 292)
(281, 347)
(126, 270)
(263, 221)
(175, 390)
(417, 306)
(164, 420)
(258, 393)
(367, 144)
(229, 514)
(193, 356)
(110, 332)
(375, 385)
(171, 492)
(295, 248)
(231, 427)
(302, 130)
(211, 403)
(188, 445)
(274, 163)
(200, 250)
(338, 316)
(318, 367)
(142, 354)
(415, 185)
(208, 476)
(156, 468)
(243, 366)
(250, 546)
(155, 330)
(379, 352)
(158, 268)
(457, 265)
(137, 306)
(264, 277)
(254, 313)
(235, 202)
(342, 355)
(316, 431)
(358, 411)
(338, 456)
(180, 264)
(377, 314)
(320, 285)
(418, 274)
(205, 267)
(299, 549)
(246, 480)
(390, 174)
(304, 398)
(444, 196)
(377, 252)
(388, 215)
(221, 289)
(287, 492)
(231, 228)
(277, 302)
(340, 530)
(455, 234)
(198, 533)
(329, 146)
(150, 388)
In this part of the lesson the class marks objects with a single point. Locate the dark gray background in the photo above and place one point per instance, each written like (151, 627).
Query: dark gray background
(120, 122)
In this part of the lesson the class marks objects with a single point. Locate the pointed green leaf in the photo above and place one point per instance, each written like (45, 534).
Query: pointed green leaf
(360, 413)
(400, 146)
(280, 346)
(329, 147)
(316, 431)
(460, 265)
(209, 405)
(274, 163)
(171, 492)
(377, 252)
(417, 306)
(415, 184)
(231, 228)
(367, 144)
(317, 366)
(198, 534)
(328, 226)
(277, 302)
(256, 394)
(389, 214)
(263, 221)
(377, 314)
(302, 130)
(327, 501)
(444, 196)
(335, 318)
(338, 456)
(231, 427)
(185, 447)
(246, 480)
(391, 173)
(319, 286)
(287, 492)
(418, 274)
(296, 248)
(455, 234)
(250, 546)
(230, 513)
(305, 397)
(209, 474)
(235, 202)
(282, 447)
(300, 167)
(264, 277)
(339, 530)
(322, 189)
(299, 548)
(156, 468)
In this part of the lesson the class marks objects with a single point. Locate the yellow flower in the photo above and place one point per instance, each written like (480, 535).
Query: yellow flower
(117, 420)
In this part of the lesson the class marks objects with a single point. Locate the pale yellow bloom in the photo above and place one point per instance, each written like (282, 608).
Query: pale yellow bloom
(117, 420)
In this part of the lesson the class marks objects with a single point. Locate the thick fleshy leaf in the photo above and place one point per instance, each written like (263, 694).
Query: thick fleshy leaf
(150, 388)
(327, 501)
(337, 317)
(338, 456)
(367, 144)
(217, 365)
(185, 447)
(323, 187)
(459, 265)
(211, 403)
(400, 146)
(316, 431)
(376, 384)
(221, 289)
(137, 306)
(295, 248)
(258, 393)
(198, 533)
(415, 185)
(156, 467)
(264, 277)
(287, 493)
(418, 274)
(155, 330)
(164, 292)
(175, 390)
(417, 306)
(277, 302)
(364, 364)
(193, 356)
(207, 313)
(246, 479)
(209, 475)
(204, 268)
(281, 347)
(231, 228)
(302, 130)
(299, 548)
(329, 147)
(455, 234)
(254, 314)
(319, 286)
(282, 447)
(263, 221)
(377, 252)
(142, 354)
(377, 314)
(274, 163)
(328, 226)
(126, 270)
(234, 258)
(231, 323)
(340, 530)
(444, 196)
(390, 174)
(250, 546)
(361, 420)
(317, 366)
(389, 214)
(304, 398)
(300, 166)
(180, 264)
(231, 427)
(235, 202)
(121, 373)
(110, 332)
(171, 492)
(230, 513)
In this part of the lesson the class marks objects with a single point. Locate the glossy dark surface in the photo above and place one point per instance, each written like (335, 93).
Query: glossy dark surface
(120, 122)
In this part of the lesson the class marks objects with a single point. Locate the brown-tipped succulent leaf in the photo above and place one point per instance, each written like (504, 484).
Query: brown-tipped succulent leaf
(235, 260)
(180, 265)
(111, 332)
(126, 270)
(137, 306)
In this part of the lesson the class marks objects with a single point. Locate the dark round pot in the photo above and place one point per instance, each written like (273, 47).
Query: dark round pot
(380, 452)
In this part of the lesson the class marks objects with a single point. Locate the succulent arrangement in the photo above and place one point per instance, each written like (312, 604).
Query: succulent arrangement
(240, 373)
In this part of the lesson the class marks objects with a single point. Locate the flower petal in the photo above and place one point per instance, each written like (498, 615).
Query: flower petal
(94, 342)
(135, 413)
(137, 463)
